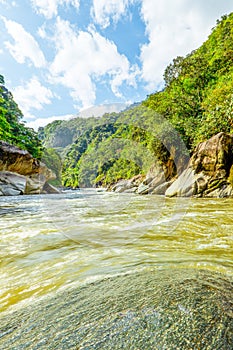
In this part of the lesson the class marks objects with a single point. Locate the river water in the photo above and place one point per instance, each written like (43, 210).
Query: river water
(53, 244)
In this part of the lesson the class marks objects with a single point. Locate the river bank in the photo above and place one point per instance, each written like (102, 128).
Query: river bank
(208, 173)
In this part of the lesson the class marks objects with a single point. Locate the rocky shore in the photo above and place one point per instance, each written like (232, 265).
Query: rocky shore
(209, 173)
(20, 173)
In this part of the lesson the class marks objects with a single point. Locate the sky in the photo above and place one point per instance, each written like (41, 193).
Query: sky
(61, 57)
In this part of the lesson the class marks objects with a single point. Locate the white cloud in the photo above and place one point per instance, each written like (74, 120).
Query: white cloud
(24, 46)
(7, 4)
(49, 8)
(35, 124)
(83, 58)
(175, 28)
(32, 95)
(105, 10)
(99, 110)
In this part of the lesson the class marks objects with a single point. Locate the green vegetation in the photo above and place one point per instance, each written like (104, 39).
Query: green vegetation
(195, 104)
(198, 94)
(12, 129)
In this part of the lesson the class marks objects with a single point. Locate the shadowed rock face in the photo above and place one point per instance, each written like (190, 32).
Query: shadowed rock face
(20, 173)
(152, 309)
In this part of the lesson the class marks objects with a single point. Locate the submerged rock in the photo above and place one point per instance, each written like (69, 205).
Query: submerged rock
(152, 309)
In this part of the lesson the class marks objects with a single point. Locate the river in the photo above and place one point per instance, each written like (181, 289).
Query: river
(53, 244)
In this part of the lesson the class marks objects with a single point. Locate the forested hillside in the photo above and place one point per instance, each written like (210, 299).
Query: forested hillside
(196, 103)
(12, 129)
(198, 94)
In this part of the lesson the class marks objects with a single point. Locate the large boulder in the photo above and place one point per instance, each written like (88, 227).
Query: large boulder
(37, 181)
(214, 157)
(11, 184)
(20, 173)
(16, 160)
(208, 170)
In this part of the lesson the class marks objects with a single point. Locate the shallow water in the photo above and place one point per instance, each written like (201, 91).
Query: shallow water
(57, 243)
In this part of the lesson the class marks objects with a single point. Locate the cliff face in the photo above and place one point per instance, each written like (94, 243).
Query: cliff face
(20, 173)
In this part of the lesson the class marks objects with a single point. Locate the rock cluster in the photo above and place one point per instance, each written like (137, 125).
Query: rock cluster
(20, 173)
(206, 175)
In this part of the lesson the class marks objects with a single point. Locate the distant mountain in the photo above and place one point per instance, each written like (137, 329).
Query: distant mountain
(61, 133)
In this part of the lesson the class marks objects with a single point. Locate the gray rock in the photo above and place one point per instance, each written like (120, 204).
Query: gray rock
(11, 184)
(183, 186)
(126, 185)
(225, 191)
(214, 157)
(21, 173)
(131, 190)
(35, 184)
(7, 190)
(50, 189)
(143, 189)
(161, 189)
(157, 181)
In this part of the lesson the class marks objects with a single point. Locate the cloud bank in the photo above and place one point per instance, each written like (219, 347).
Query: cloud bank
(84, 58)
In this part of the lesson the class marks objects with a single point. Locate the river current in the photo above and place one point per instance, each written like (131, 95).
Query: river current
(54, 244)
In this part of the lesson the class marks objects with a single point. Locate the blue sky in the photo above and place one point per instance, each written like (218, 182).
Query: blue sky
(60, 57)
